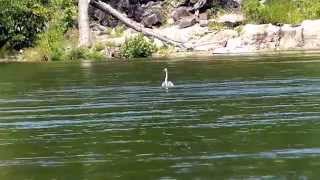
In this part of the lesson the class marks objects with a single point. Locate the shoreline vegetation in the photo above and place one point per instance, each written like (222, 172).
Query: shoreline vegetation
(38, 30)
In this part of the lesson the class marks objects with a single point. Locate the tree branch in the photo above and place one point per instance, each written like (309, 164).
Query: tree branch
(134, 25)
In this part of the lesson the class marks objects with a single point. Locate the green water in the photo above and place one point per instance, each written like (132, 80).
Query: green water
(227, 118)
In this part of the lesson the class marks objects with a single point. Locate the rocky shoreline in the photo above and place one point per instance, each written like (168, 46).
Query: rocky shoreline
(189, 23)
(249, 38)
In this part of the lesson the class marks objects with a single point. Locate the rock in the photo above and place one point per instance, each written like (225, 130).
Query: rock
(290, 37)
(213, 41)
(183, 35)
(153, 14)
(231, 20)
(264, 36)
(151, 20)
(311, 34)
(235, 46)
(136, 12)
(180, 13)
(203, 19)
(253, 38)
(234, 43)
(230, 4)
(187, 22)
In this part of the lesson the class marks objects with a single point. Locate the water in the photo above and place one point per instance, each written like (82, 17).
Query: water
(227, 118)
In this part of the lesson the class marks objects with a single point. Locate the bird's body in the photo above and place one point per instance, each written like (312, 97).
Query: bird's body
(166, 84)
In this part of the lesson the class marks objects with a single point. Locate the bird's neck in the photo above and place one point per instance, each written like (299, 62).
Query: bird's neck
(166, 78)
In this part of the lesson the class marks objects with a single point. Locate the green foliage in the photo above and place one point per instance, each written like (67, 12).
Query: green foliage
(116, 32)
(52, 44)
(21, 21)
(281, 11)
(83, 54)
(137, 46)
(165, 50)
(215, 26)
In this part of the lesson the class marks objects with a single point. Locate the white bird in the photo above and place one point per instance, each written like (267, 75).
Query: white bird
(166, 84)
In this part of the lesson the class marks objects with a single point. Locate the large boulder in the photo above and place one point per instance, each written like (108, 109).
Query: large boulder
(311, 34)
(213, 41)
(264, 36)
(180, 12)
(231, 20)
(182, 35)
(230, 4)
(187, 22)
(253, 38)
(290, 37)
(153, 14)
(151, 20)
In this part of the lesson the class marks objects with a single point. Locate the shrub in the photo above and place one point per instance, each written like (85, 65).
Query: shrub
(52, 44)
(137, 46)
(281, 11)
(20, 21)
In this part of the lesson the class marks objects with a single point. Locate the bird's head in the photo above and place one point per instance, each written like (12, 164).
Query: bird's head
(165, 70)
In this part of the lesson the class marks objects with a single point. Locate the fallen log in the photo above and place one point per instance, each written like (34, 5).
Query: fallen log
(134, 25)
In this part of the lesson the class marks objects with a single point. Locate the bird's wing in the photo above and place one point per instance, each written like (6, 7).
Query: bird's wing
(170, 84)
(163, 84)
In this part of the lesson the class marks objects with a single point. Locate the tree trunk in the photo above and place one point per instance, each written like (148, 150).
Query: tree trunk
(134, 25)
(84, 28)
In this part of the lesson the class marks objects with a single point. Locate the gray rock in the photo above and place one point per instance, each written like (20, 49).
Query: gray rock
(183, 35)
(152, 19)
(231, 20)
(213, 41)
(187, 22)
(203, 19)
(230, 4)
(290, 37)
(264, 36)
(153, 14)
(180, 12)
(311, 34)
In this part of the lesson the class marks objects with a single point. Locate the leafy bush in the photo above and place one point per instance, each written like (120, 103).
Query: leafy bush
(52, 44)
(281, 11)
(137, 46)
(22, 21)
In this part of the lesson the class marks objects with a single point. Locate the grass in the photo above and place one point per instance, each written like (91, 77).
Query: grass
(215, 26)
(281, 11)
(116, 32)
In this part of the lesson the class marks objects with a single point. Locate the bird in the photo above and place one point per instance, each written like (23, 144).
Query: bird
(166, 84)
